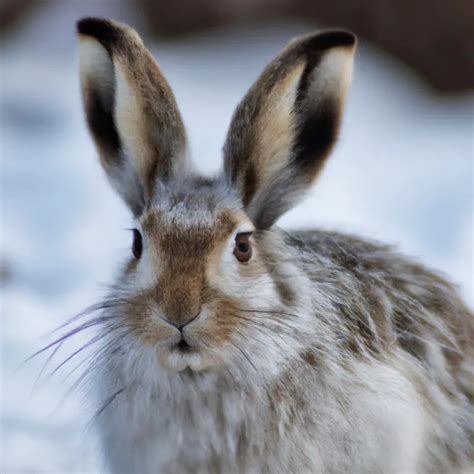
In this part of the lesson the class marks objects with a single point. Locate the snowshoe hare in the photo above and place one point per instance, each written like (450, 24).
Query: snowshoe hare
(230, 346)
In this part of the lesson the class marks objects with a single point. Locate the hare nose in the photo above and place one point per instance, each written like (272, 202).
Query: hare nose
(180, 326)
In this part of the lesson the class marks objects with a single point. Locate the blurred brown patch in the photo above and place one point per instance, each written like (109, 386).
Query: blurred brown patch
(433, 36)
(12, 11)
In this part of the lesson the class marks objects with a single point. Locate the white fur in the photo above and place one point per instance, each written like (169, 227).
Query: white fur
(163, 421)
(300, 377)
(333, 75)
(96, 67)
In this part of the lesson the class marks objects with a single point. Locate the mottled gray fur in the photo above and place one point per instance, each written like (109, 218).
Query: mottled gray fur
(320, 352)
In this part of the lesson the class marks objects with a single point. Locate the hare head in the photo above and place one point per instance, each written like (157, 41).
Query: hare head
(204, 256)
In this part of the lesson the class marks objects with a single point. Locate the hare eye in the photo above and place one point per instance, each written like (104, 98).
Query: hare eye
(137, 246)
(243, 248)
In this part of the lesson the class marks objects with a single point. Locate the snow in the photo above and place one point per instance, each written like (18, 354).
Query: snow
(401, 173)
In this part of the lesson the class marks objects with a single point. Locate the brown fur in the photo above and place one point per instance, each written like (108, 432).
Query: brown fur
(320, 353)
(182, 255)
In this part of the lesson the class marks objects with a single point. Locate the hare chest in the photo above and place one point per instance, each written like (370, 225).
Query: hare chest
(364, 430)
(191, 431)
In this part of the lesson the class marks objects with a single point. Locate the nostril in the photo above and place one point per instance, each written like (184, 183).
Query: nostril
(178, 324)
(183, 346)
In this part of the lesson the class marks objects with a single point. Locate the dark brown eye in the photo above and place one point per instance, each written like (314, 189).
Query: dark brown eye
(243, 247)
(137, 246)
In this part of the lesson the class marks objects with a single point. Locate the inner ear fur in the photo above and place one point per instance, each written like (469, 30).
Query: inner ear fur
(130, 109)
(286, 125)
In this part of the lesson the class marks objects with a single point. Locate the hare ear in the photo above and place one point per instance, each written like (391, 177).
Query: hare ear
(130, 109)
(286, 125)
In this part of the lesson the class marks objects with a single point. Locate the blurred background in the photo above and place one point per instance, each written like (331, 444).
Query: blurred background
(402, 172)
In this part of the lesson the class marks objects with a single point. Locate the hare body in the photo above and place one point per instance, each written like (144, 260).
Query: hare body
(381, 397)
(231, 346)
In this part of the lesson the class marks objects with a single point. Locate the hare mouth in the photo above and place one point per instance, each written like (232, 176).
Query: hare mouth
(186, 354)
(182, 346)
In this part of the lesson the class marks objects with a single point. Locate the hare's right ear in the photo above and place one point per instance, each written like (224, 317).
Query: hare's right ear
(130, 109)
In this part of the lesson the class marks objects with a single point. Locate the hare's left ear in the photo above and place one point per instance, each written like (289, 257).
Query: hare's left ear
(130, 109)
(286, 125)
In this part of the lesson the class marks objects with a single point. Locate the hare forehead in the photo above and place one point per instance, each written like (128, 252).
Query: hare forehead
(191, 202)
(195, 230)
(189, 219)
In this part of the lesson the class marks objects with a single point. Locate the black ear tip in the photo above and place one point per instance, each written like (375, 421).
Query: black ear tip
(102, 29)
(331, 39)
(90, 25)
(341, 37)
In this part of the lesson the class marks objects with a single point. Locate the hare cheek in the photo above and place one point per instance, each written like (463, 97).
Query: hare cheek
(241, 280)
(147, 268)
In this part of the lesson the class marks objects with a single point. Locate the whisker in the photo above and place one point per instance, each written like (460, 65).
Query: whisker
(85, 346)
(273, 323)
(72, 332)
(97, 354)
(244, 354)
(97, 359)
(261, 325)
(279, 321)
(107, 403)
(269, 311)
(91, 309)
(45, 365)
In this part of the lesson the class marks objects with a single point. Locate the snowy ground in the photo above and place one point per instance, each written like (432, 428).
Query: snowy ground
(401, 173)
